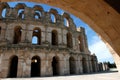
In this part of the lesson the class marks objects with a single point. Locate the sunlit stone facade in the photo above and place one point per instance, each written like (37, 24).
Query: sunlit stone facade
(36, 43)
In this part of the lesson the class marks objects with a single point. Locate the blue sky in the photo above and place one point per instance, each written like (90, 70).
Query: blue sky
(94, 42)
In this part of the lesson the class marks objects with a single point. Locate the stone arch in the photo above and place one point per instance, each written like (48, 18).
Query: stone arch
(72, 65)
(84, 65)
(38, 11)
(69, 40)
(17, 34)
(13, 67)
(56, 65)
(54, 37)
(3, 9)
(54, 15)
(66, 19)
(37, 33)
(35, 66)
(20, 8)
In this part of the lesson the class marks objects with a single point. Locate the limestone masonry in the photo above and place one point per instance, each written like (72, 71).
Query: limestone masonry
(36, 43)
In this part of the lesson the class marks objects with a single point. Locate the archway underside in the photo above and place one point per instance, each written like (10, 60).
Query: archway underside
(98, 14)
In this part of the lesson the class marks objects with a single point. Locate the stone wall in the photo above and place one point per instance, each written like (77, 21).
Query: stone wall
(60, 49)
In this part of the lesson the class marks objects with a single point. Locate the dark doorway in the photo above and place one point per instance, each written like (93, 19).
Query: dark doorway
(54, 37)
(13, 67)
(17, 34)
(69, 40)
(84, 65)
(72, 65)
(93, 65)
(55, 66)
(35, 66)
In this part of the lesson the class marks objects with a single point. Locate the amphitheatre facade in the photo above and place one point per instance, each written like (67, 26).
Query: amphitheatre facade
(60, 47)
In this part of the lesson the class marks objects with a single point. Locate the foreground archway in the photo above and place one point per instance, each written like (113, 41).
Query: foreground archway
(100, 16)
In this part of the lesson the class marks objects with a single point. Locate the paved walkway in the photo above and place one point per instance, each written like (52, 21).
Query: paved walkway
(97, 76)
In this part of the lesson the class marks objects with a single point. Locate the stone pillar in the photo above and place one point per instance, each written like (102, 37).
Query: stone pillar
(88, 66)
(5, 68)
(49, 68)
(20, 67)
(78, 71)
(43, 67)
(81, 67)
(67, 67)
(27, 68)
(61, 67)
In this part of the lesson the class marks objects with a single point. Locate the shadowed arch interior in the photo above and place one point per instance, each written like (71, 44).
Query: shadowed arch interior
(72, 65)
(35, 66)
(54, 37)
(69, 40)
(37, 34)
(17, 34)
(55, 66)
(13, 67)
(84, 65)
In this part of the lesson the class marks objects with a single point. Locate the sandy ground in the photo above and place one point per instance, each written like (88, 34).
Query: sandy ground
(96, 76)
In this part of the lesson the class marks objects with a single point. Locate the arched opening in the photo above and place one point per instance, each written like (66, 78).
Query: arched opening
(54, 37)
(80, 42)
(84, 65)
(72, 65)
(36, 37)
(37, 14)
(66, 22)
(13, 67)
(17, 34)
(21, 14)
(4, 12)
(35, 66)
(69, 40)
(93, 64)
(53, 18)
(55, 66)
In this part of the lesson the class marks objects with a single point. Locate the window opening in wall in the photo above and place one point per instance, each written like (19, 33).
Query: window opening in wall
(54, 37)
(53, 19)
(66, 22)
(36, 38)
(69, 40)
(4, 12)
(55, 66)
(80, 42)
(17, 34)
(21, 13)
(35, 66)
(13, 67)
(37, 15)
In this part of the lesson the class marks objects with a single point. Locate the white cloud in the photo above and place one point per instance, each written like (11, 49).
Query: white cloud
(100, 49)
